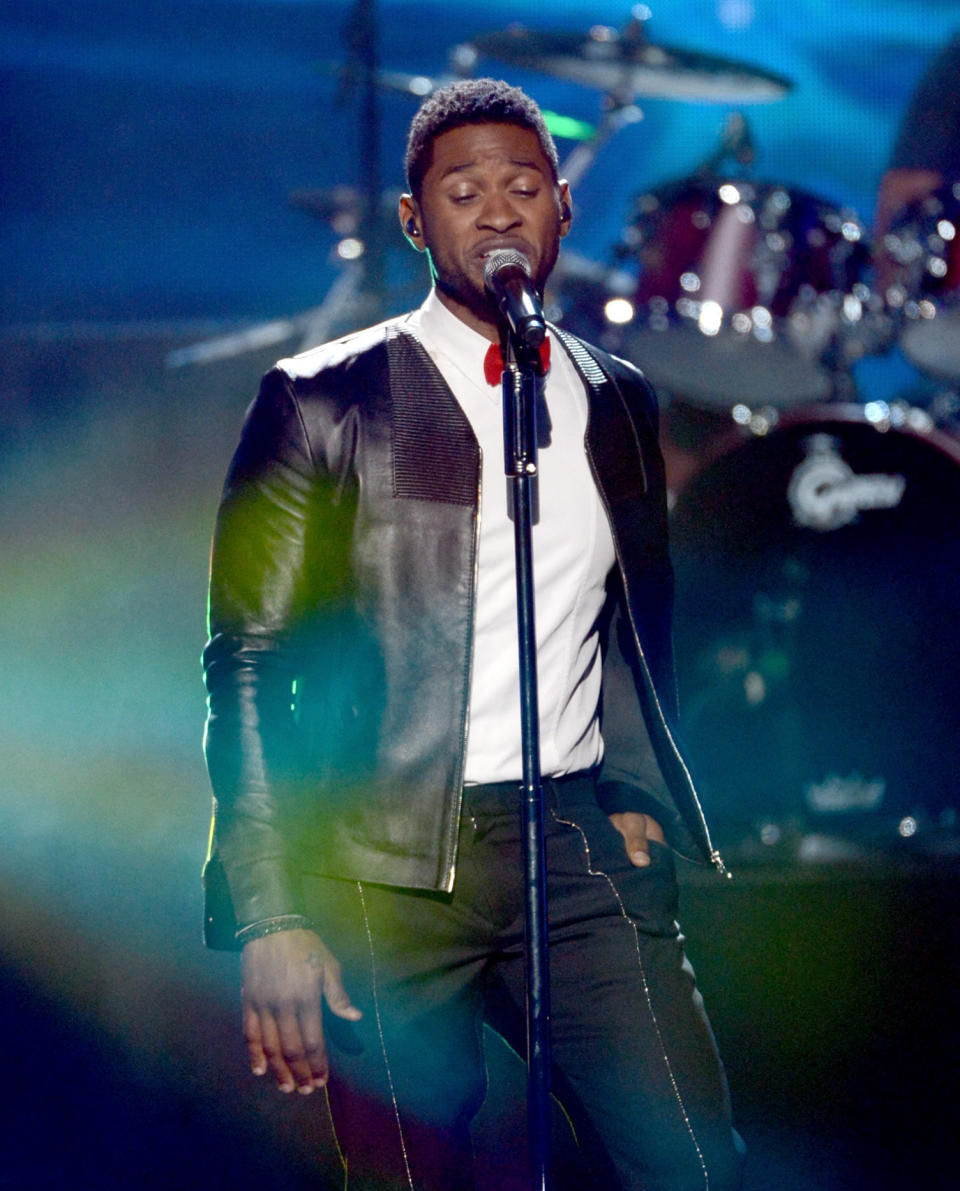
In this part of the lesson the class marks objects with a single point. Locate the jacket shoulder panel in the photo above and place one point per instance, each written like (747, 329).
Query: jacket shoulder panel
(622, 412)
(309, 364)
(599, 367)
(380, 387)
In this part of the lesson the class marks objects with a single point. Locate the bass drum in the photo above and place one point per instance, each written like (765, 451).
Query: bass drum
(818, 656)
(746, 292)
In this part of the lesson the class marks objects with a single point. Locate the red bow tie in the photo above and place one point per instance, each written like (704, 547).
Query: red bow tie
(493, 361)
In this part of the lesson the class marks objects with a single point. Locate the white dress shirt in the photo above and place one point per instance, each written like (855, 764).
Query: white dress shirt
(572, 555)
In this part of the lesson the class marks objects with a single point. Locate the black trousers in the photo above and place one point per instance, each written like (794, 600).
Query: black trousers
(635, 1059)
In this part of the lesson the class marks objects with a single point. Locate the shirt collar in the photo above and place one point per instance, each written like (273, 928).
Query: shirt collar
(450, 335)
(442, 333)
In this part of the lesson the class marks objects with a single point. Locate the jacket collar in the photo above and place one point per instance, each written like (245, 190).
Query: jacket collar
(611, 422)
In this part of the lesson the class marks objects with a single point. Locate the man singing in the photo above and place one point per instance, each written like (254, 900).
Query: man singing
(363, 737)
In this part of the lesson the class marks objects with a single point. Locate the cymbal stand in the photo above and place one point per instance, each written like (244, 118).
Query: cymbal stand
(616, 115)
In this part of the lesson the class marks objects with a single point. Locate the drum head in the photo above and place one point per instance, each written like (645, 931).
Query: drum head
(720, 370)
(934, 344)
(818, 576)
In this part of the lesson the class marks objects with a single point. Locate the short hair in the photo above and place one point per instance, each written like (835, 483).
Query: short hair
(471, 101)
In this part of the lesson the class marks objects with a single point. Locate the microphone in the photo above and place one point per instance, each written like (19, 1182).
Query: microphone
(506, 275)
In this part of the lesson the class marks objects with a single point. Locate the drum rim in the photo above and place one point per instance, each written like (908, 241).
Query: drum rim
(710, 183)
(841, 413)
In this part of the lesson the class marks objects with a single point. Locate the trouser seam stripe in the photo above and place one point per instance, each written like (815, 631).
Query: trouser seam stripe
(380, 1034)
(688, 1124)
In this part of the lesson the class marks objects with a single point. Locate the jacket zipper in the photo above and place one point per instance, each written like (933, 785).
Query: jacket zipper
(715, 858)
(449, 859)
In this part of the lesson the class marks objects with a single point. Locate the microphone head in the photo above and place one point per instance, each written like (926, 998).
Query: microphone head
(504, 258)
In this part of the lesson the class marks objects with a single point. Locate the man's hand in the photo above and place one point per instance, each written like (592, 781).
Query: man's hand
(286, 976)
(637, 831)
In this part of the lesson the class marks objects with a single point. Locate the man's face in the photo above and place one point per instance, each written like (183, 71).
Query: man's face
(488, 187)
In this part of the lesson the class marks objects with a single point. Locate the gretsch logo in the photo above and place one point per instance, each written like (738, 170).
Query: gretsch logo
(825, 493)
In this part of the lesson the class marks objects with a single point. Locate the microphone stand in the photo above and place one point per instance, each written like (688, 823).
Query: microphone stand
(520, 380)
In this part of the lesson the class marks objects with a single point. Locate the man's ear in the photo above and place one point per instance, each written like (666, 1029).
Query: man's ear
(566, 206)
(409, 213)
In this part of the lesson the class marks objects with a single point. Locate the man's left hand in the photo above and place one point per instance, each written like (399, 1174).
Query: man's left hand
(637, 831)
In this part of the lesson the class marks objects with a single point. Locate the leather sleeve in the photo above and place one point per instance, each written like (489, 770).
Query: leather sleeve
(276, 558)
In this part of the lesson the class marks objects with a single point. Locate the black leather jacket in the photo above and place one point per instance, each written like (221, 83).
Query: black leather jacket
(341, 614)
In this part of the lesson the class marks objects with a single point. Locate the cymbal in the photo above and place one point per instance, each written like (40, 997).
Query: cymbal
(630, 67)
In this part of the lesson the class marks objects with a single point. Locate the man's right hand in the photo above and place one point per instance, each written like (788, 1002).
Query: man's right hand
(286, 977)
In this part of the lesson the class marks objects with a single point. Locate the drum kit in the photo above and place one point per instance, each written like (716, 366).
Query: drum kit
(815, 533)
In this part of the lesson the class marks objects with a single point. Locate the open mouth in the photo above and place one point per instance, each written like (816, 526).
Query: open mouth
(506, 245)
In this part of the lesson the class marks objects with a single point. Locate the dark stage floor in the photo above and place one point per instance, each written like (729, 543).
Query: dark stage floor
(832, 994)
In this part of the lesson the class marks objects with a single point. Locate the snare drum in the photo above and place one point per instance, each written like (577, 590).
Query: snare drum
(744, 291)
(818, 656)
(922, 251)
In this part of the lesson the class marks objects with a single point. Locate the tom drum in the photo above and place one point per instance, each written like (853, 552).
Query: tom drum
(745, 291)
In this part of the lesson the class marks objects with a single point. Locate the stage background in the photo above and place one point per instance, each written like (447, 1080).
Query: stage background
(149, 152)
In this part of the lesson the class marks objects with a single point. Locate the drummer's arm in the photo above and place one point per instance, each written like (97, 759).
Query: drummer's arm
(898, 189)
(926, 152)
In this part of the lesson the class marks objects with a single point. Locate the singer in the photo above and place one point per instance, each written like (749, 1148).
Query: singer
(363, 735)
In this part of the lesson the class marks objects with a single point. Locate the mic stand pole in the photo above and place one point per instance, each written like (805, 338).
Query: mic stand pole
(520, 380)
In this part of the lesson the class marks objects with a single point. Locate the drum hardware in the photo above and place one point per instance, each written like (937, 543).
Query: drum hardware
(462, 59)
(615, 117)
(757, 421)
(735, 149)
(897, 415)
(920, 263)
